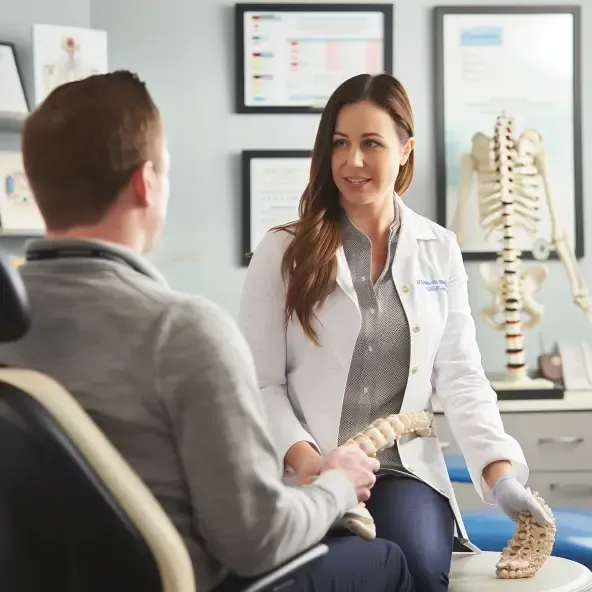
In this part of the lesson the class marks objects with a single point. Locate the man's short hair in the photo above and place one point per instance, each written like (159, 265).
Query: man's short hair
(82, 144)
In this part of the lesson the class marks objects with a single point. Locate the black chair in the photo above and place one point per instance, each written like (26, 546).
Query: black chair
(74, 516)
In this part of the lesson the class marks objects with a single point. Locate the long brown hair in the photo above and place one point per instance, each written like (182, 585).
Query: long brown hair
(309, 265)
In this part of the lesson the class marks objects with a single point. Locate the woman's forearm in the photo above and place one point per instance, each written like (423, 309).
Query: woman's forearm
(299, 454)
(495, 470)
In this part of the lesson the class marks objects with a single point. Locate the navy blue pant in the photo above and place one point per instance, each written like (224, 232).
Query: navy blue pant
(420, 521)
(351, 565)
(412, 551)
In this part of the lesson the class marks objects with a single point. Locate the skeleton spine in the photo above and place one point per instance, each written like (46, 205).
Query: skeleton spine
(505, 158)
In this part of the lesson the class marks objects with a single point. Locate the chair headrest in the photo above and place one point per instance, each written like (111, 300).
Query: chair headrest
(15, 316)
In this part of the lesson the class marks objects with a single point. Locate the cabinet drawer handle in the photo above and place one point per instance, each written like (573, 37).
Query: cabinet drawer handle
(444, 445)
(562, 440)
(580, 488)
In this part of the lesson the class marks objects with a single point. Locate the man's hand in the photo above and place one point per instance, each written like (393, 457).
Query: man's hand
(513, 498)
(357, 466)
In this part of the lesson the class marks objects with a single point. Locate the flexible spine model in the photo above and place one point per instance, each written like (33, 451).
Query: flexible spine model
(527, 550)
(530, 546)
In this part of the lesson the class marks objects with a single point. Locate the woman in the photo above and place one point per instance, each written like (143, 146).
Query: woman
(359, 310)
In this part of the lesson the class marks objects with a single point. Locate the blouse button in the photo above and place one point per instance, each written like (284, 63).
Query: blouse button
(406, 289)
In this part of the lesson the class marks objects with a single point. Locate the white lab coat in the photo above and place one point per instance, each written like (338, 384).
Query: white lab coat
(303, 385)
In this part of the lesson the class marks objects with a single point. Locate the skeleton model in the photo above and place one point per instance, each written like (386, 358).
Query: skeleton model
(526, 551)
(512, 176)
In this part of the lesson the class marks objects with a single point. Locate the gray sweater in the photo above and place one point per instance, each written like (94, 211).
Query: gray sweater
(170, 380)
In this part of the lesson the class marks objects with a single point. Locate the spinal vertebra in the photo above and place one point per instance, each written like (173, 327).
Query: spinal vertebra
(506, 164)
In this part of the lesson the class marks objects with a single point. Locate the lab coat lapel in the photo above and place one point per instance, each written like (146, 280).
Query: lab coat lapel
(344, 278)
(406, 269)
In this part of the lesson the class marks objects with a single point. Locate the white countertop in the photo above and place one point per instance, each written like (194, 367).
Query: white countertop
(572, 401)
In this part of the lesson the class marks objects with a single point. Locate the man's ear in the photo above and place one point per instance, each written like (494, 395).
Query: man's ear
(143, 179)
(407, 151)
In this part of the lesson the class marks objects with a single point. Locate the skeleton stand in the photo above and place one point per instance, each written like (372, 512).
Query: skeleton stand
(512, 176)
(526, 551)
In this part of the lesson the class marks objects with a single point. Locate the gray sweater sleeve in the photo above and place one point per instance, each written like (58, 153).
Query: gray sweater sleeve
(244, 513)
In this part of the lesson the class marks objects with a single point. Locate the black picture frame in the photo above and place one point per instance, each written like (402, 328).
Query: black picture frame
(439, 14)
(247, 157)
(241, 8)
(12, 48)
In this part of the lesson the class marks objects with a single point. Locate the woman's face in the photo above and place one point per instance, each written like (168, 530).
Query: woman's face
(367, 154)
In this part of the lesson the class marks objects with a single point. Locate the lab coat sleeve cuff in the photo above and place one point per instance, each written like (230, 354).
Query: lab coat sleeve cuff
(509, 450)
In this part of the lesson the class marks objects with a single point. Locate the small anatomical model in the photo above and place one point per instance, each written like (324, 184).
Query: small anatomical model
(527, 550)
(383, 433)
(512, 177)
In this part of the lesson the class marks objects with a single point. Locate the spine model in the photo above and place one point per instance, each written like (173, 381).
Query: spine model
(527, 550)
(505, 157)
(383, 433)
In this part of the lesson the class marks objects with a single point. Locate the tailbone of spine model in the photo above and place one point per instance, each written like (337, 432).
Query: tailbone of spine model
(527, 550)
(512, 183)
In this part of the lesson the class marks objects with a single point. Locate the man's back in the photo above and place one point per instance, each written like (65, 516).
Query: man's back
(164, 376)
(97, 325)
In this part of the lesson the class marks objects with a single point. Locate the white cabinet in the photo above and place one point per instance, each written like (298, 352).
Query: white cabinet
(557, 443)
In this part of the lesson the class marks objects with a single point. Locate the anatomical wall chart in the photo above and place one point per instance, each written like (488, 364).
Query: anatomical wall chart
(19, 215)
(64, 54)
(522, 63)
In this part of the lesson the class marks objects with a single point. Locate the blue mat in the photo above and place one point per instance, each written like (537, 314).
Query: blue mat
(457, 468)
(491, 530)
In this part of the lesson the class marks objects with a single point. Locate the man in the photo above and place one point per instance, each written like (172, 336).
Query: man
(167, 376)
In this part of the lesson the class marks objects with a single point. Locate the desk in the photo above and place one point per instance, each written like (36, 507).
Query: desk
(556, 437)
(573, 401)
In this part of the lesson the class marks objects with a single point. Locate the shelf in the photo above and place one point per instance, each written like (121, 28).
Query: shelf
(571, 401)
(21, 233)
(11, 122)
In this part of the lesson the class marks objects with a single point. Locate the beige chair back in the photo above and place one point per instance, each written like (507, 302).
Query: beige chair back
(168, 549)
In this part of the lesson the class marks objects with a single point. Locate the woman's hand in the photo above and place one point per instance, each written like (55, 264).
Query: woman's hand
(310, 468)
(513, 498)
(305, 460)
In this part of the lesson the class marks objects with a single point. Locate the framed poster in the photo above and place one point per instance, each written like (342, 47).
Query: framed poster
(13, 100)
(64, 54)
(522, 63)
(19, 215)
(291, 57)
(273, 182)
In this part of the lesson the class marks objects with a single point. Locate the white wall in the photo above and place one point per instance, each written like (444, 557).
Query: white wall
(184, 49)
(16, 19)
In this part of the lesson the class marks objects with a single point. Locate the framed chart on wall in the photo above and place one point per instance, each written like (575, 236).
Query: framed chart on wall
(273, 182)
(19, 214)
(522, 63)
(13, 99)
(64, 54)
(291, 57)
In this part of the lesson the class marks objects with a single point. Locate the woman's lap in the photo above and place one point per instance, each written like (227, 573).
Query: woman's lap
(415, 535)
(420, 521)
(351, 565)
